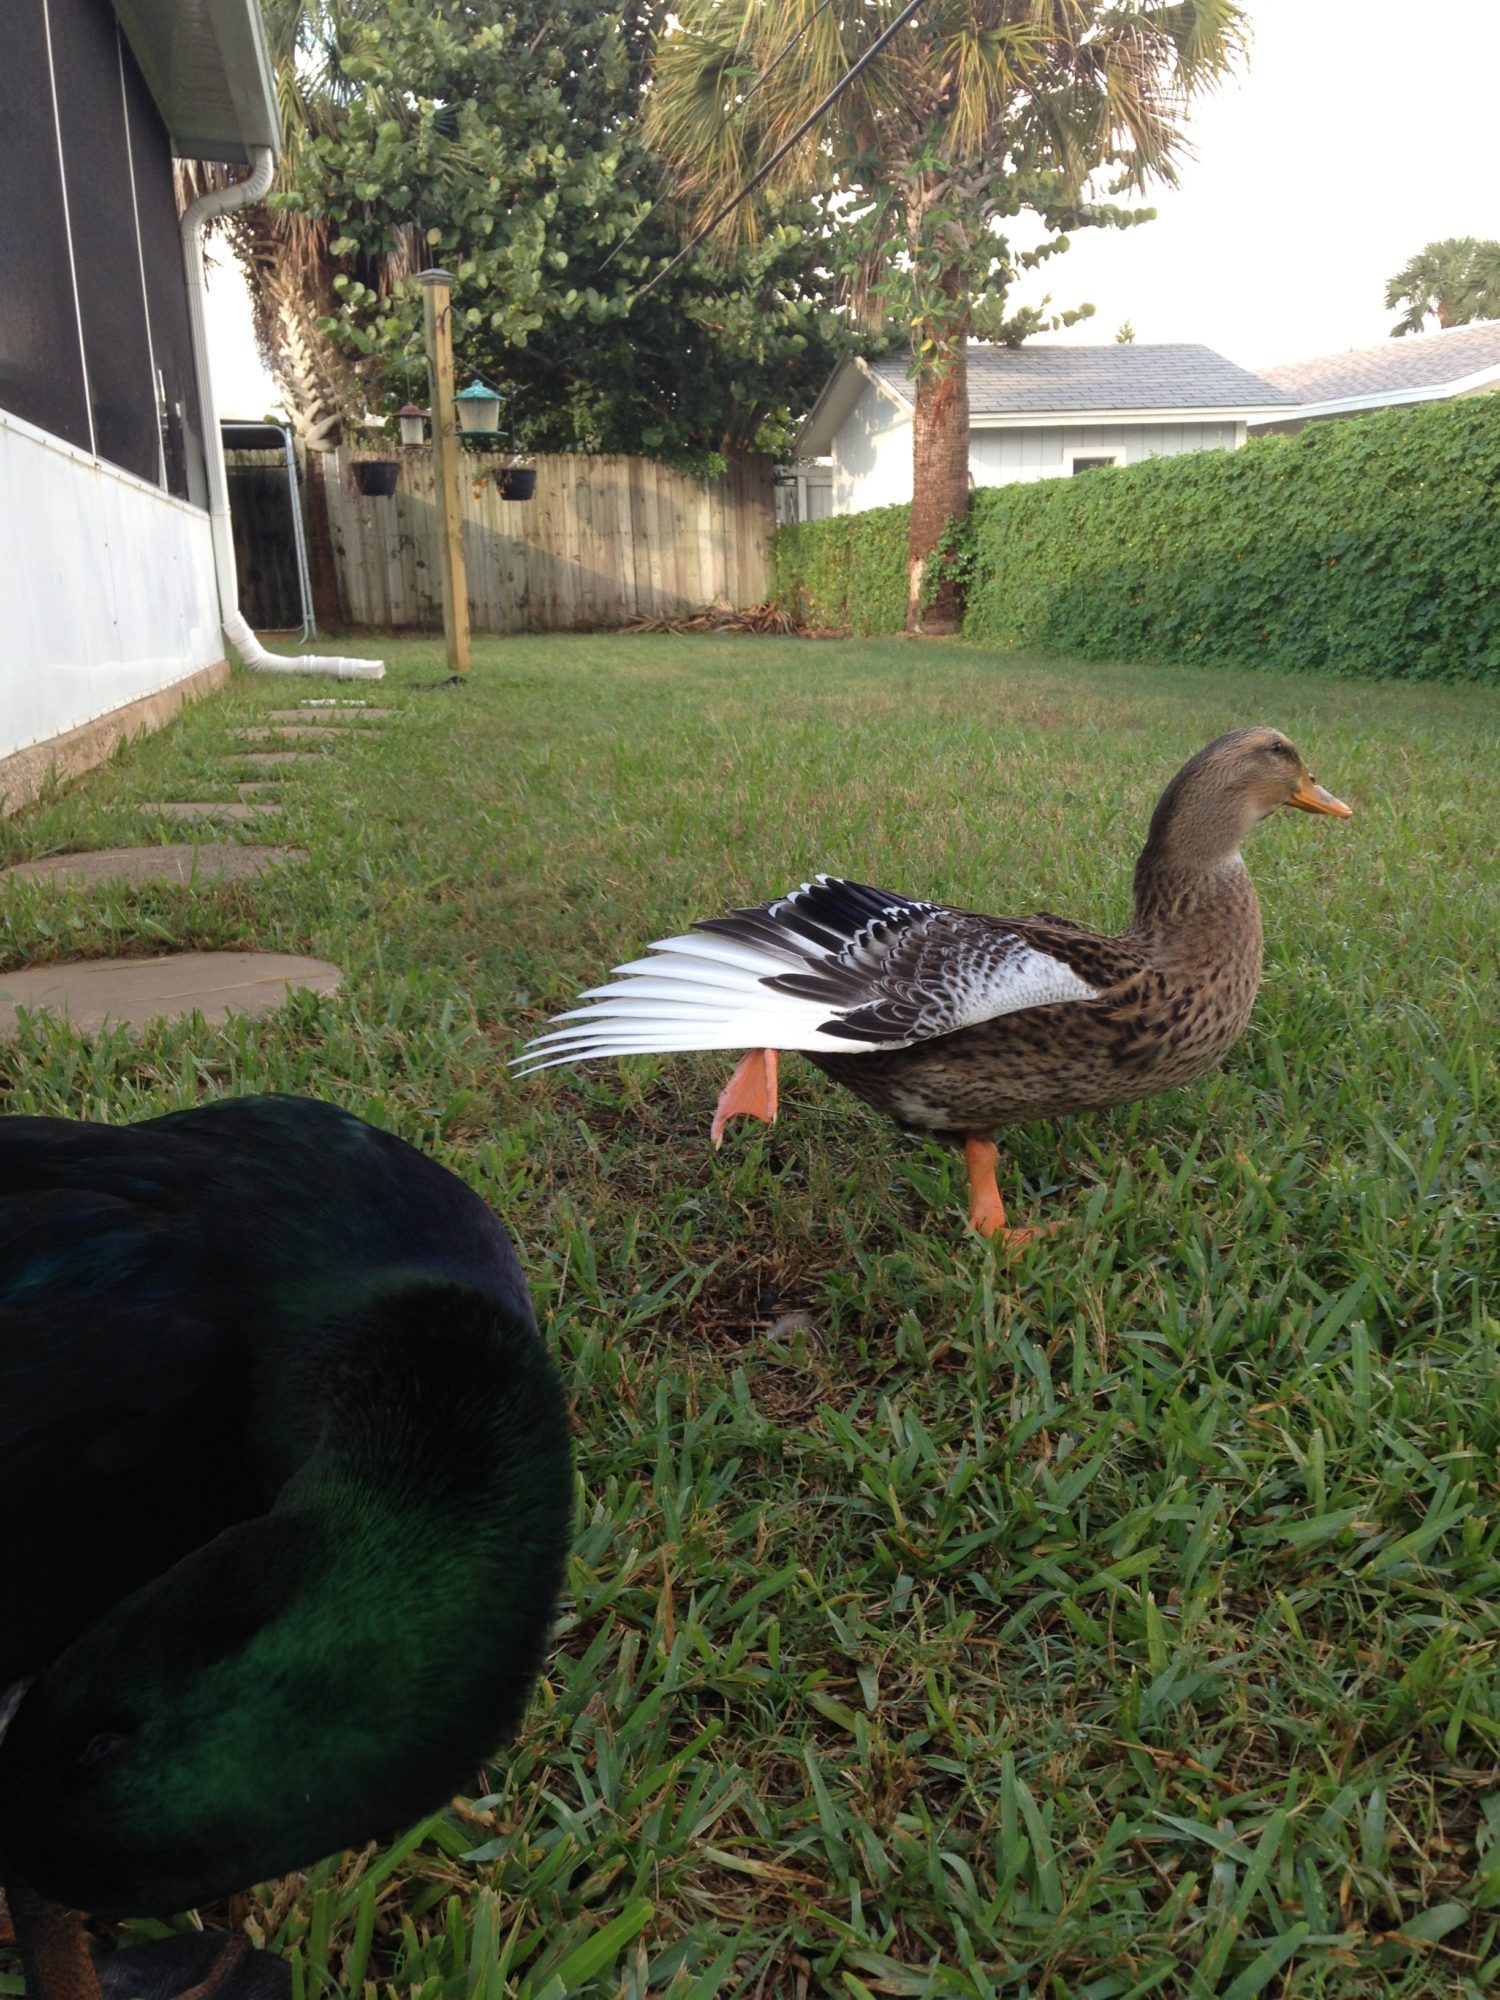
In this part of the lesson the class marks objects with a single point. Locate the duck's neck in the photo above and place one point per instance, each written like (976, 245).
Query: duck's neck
(1190, 881)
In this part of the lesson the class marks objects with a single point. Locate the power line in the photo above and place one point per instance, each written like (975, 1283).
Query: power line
(771, 67)
(782, 53)
(783, 149)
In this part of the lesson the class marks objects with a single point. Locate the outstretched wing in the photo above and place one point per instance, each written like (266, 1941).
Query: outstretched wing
(835, 965)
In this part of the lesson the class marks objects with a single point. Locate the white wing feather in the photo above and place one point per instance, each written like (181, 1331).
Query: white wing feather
(707, 990)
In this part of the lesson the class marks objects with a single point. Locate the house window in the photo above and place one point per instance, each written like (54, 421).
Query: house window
(1090, 461)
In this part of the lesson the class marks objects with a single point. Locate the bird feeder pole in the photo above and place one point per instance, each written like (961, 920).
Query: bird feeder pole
(437, 320)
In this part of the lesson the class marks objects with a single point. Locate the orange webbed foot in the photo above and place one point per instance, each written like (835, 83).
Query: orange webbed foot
(749, 1093)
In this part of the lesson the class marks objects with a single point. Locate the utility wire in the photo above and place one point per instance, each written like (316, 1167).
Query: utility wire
(771, 67)
(781, 55)
(782, 150)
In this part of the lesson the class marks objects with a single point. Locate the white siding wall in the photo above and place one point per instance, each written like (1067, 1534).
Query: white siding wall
(1001, 457)
(872, 455)
(109, 588)
(872, 451)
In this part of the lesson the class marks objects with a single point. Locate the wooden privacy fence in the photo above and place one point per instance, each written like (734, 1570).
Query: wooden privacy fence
(604, 540)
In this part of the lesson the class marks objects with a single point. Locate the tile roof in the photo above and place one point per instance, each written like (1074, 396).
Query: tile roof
(1420, 361)
(1048, 381)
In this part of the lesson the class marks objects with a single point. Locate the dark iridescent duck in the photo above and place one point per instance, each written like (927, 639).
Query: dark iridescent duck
(285, 1497)
(956, 1024)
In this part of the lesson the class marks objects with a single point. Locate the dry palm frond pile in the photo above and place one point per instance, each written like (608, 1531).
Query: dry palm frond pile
(767, 620)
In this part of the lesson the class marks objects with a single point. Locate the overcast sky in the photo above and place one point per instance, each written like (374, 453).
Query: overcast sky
(1361, 130)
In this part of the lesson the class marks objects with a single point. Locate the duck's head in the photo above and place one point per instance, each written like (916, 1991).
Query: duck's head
(313, 1678)
(1230, 786)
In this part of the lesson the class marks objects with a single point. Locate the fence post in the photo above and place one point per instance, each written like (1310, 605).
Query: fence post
(437, 321)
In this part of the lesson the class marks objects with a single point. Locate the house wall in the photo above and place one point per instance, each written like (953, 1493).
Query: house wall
(1005, 457)
(872, 455)
(872, 450)
(109, 593)
(804, 492)
(110, 589)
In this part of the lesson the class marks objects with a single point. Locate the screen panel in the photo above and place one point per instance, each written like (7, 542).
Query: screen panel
(41, 360)
(166, 292)
(106, 258)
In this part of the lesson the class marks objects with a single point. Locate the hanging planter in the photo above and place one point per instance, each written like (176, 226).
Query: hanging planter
(375, 477)
(515, 482)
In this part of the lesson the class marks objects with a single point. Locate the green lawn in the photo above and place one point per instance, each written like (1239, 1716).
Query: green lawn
(1118, 1620)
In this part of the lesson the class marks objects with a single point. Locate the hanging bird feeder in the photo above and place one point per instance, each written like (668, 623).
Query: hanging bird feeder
(478, 411)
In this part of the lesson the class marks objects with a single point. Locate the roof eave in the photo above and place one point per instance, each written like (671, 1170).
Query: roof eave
(1386, 399)
(840, 393)
(224, 41)
(1163, 413)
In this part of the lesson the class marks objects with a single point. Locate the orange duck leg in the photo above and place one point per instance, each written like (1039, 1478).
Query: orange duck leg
(986, 1209)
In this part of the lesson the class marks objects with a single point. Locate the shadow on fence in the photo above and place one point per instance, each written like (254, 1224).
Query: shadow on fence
(603, 541)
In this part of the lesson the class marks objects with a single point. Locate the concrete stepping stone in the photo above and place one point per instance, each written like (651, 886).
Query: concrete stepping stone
(273, 760)
(308, 732)
(210, 809)
(254, 788)
(129, 992)
(337, 718)
(227, 862)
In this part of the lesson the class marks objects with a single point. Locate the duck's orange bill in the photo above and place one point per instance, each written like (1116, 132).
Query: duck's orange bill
(1310, 797)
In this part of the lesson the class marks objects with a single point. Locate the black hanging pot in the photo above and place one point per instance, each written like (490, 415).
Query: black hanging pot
(376, 477)
(516, 482)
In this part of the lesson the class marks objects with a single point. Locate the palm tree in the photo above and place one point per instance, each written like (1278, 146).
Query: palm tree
(976, 110)
(1457, 280)
(1435, 281)
(1484, 281)
(285, 254)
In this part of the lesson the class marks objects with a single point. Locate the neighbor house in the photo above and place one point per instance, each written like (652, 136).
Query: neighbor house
(111, 613)
(1035, 412)
(1420, 368)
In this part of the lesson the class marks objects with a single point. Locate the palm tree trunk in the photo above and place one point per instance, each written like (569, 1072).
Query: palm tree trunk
(940, 470)
(320, 389)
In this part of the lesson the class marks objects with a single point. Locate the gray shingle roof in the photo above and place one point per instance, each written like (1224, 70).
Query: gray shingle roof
(1044, 381)
(1421, 361)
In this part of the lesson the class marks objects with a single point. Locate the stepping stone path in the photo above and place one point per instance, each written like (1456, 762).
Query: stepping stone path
(129, 992)
(210, 809)
(226, 863)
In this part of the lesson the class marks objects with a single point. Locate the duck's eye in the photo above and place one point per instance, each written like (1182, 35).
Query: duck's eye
(101, 1746)
(1284, 750)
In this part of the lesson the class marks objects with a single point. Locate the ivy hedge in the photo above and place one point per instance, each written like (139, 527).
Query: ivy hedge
(1365, 546)
(850, 570)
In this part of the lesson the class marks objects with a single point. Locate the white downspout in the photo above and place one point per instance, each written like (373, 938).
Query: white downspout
(236, 627)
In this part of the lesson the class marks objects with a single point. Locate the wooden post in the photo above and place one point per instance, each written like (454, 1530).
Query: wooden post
(437, 319)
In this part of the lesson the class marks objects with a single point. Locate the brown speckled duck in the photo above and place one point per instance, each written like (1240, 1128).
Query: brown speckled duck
(956, 1024)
